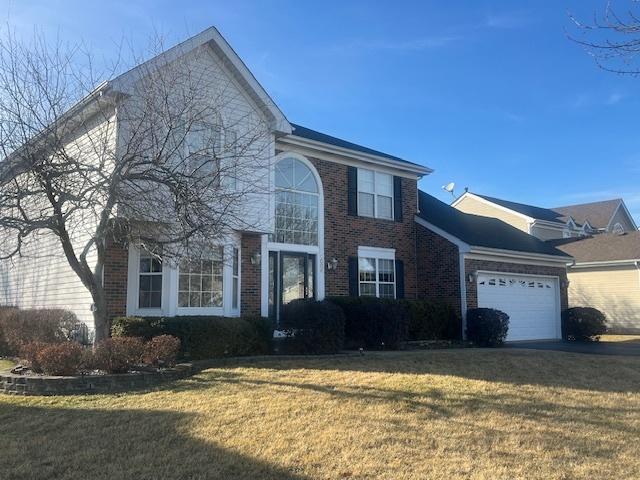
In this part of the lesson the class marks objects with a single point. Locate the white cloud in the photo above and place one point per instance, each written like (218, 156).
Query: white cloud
(507, 20)
(614, 98)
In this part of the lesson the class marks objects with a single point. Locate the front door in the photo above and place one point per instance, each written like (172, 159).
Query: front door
(291, 276)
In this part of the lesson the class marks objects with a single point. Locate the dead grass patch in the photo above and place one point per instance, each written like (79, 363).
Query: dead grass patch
(455, 414)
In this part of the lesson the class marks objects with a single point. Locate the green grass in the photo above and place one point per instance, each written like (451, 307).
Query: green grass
(451, 414)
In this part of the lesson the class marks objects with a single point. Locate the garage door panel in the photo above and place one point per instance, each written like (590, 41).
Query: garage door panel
(530, 302)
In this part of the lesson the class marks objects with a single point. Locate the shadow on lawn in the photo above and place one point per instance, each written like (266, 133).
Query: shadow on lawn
(511, 366)
(81, 443)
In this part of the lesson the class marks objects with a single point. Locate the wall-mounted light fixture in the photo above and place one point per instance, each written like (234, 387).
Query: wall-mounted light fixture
(332, 264)
(255, 258)
(565, 283)
(471, 277)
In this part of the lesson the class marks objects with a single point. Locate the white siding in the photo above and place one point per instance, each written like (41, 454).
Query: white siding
(42, 277)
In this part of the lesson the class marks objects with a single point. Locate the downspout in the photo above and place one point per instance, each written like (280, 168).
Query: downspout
(463, 293)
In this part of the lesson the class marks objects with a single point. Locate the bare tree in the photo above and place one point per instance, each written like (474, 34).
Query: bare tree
(162, 158)
(612, 39)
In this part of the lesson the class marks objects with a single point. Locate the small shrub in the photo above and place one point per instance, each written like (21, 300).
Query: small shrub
(312, 327)
(29, 354)
(162, 351)
(433, 320)
(487, 327)
(146, 328)
(373, 322)
(18, 327)
(60, 358)
(583, 324)
(203, 337)
(117, 355)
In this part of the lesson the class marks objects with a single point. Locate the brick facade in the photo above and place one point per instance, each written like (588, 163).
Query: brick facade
(472, 266)
(438, 265)
(115, 278)
(250, 289)
(344, 233)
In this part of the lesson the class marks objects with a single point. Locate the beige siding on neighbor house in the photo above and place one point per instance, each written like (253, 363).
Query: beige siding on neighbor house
(478, 207)
(545, 233)
(613, 290)
(622, 218)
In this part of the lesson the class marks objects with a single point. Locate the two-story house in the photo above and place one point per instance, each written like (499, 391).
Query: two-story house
(603, 239)
(331, 218)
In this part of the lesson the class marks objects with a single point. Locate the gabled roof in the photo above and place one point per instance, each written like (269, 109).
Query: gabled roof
(230, 59)
(479, 231)
(532, 211)
(323, 138)
(604, 247)
(597, 213)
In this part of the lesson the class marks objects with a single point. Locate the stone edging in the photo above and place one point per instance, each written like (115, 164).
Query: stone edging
(15, 384)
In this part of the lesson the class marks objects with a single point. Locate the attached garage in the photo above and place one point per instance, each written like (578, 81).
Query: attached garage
(488, 263)
(532, 303)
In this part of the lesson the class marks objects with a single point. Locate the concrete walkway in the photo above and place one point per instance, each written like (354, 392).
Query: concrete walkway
(597, 348)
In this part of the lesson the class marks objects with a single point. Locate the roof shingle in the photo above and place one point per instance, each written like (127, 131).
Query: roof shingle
(481, 231)
(604, 247)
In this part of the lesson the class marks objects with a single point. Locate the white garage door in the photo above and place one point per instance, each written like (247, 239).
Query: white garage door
(532, 303)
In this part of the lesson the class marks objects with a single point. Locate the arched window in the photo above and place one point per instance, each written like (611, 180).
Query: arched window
(296, 203)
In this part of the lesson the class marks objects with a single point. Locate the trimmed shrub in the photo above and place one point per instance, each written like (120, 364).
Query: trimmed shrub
(432, 320)
(373, 322)
(18, 327)
(161, 351)
(117, 355)
(60, 358)
(487, 327)
(583, 324)
(203, 337)
(312, 327)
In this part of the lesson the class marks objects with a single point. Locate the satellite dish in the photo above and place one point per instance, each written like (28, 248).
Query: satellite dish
(449, 187)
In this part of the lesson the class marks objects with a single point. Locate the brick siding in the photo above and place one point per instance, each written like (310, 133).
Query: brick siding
(250, 275)
(438, 264)
(344, 233)
(115, 278)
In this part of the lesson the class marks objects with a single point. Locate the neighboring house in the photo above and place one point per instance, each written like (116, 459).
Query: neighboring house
(484, 262)
(606, 276)
(603, 238)
(551, 223)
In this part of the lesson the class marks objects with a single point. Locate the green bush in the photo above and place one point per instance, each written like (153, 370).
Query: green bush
(19, 327)
(432, 320)
(583, 324)
(312, 327)
(203, 337)
(487, 327)
(373, 322)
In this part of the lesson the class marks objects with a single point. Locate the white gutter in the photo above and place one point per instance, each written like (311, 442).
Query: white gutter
(523, 255)
(608, 263)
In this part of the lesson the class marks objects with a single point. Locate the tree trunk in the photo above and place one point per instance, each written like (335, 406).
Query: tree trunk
(101, 321)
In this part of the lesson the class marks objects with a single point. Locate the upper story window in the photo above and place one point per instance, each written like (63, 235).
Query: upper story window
(297, 200)
(200, 144)
(375, 194)
(150, 278)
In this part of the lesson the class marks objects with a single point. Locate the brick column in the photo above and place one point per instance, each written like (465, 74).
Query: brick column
(250, 291)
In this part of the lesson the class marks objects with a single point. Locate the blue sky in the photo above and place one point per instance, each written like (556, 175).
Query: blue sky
(490, 94)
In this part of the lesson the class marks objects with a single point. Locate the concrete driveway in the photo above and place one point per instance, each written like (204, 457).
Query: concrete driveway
(597, 348)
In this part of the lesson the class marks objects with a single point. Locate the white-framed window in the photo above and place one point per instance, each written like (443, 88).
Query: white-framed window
(235, 276)
(150, 281)
(201, 144)
(375, 194)
(376, 272)
(618, 229)
(297, 203)
(200, 281)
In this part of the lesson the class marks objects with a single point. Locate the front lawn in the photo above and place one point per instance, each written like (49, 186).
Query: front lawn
(453, 414)
(5, 364)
